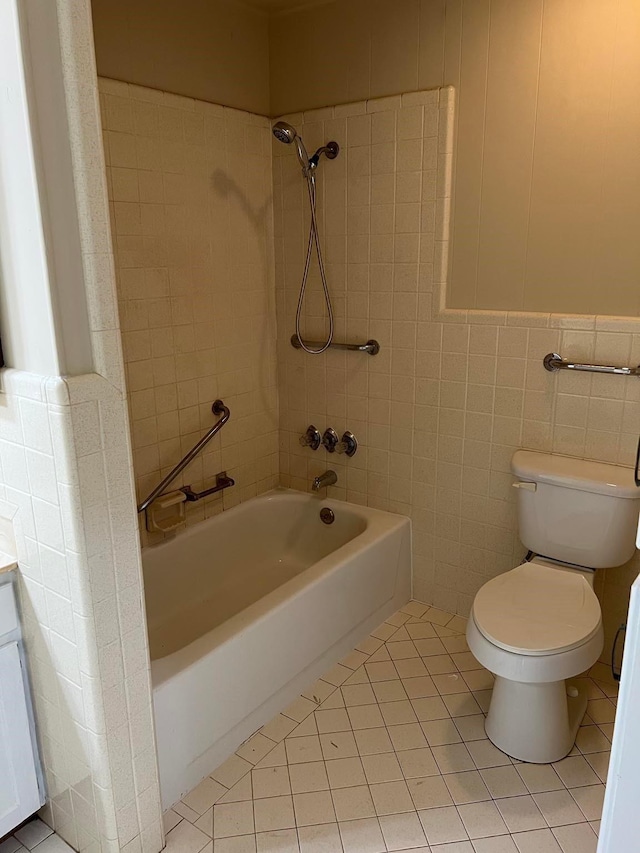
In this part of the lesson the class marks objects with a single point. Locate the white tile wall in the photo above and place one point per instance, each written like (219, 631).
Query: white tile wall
(452, 394)
(377, 205)
(81, 585)
(82, 612)
(190, 193)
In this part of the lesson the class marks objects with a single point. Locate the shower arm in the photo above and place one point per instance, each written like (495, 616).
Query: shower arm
(218, 408)
(330, 150)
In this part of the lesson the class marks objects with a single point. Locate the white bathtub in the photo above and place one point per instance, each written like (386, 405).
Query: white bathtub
(249, 608)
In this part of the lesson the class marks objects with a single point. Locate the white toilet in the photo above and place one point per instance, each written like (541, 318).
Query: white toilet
(540, 623)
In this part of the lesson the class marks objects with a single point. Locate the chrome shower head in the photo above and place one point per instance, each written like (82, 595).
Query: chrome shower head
(283, 132)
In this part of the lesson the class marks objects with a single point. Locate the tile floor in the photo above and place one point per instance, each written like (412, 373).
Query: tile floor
(387, 752)
(36, 836)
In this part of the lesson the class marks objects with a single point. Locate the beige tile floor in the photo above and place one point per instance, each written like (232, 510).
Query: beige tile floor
(34, 836)
(387, 752)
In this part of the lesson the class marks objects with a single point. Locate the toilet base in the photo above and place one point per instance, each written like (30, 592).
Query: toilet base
(537, 723)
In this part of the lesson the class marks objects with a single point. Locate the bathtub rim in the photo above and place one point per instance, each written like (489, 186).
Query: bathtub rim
(165, 668)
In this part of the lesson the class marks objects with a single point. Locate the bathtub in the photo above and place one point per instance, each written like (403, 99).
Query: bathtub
(247, 609)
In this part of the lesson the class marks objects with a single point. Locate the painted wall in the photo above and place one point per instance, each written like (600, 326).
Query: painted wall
(214, 50)
(26, 310)
(190, 194)
(547, 178)
(377, 49)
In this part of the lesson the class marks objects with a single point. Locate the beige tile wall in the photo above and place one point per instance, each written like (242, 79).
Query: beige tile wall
(452, 394)
(382, 233)
(217, 51)
(495, 396)
(547, 178)
(71, 488)
(65, 459)
(190, 193)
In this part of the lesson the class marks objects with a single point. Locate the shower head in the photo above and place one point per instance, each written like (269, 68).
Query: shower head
(284, 132)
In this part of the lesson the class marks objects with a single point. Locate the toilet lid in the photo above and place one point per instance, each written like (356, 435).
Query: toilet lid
(537, 609)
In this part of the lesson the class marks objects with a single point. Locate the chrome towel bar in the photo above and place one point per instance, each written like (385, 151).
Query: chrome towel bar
(218, 408)
(372, 346)
(552, 361)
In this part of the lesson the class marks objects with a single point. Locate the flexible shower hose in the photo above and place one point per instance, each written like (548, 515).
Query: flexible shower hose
(314, 239)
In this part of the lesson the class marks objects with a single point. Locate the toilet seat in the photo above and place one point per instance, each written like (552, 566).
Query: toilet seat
(537, 608)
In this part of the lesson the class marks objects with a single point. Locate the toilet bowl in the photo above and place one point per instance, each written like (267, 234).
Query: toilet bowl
(539, 625)
(534, 627)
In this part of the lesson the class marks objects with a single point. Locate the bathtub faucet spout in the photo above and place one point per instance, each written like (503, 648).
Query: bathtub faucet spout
(329, 478)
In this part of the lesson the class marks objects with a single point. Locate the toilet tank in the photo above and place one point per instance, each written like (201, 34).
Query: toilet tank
(576, 511)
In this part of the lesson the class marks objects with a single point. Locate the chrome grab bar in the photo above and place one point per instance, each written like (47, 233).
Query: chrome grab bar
(372, 347)
(218, 408)
(552, 362)
(222, 482)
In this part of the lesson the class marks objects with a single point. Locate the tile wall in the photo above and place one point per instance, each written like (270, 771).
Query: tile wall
(190, 194)
(377, 211)
(452, 394)
(495, 396)
(64, 462)
(66, 482)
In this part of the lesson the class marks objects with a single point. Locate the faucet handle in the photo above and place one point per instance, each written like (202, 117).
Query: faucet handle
(348, 444)
(330, 439)
(311, 438)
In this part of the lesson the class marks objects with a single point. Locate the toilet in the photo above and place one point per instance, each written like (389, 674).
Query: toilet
(539, 625)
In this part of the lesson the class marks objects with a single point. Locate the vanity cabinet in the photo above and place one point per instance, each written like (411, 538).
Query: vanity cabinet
(20, 785)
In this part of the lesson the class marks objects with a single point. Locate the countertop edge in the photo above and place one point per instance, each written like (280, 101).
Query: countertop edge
(7, 563)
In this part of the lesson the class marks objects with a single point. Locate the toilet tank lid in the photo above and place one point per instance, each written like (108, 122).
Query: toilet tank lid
(571, 473)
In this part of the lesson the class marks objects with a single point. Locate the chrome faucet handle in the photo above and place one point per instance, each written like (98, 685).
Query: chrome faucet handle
(348, 444)
(330, 439)
(311, 438)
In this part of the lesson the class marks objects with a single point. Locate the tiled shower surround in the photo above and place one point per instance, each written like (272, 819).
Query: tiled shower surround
(378, 209)
(452, 394)
(438, 413)
(190, 195)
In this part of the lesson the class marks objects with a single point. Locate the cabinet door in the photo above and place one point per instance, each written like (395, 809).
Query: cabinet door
(19, 794)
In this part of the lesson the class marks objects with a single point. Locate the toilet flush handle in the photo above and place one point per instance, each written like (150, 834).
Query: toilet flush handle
(529, 487)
